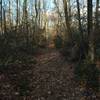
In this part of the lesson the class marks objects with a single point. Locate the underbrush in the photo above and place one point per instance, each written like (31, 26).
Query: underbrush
(88, 74)
(58, 42)
(76, 48)
(16, 51)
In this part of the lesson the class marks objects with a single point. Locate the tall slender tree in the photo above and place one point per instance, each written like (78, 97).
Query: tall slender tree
(10, 23)
(79, 18)
(67, 18)
(39, 8)
(89, 16)
(25, 20)
(17, 14)
(1, 15)
(90, 31)
(97, 13)
(36, 18)
(4, 14)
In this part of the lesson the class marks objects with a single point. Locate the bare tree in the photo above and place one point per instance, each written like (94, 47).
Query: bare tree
(79, 19)
(97, 13)
(90, 31)
(10, 14)
(25, 21)
(90, 13)
(17, 14)
(67, 18)
(1, 15)
(4, 14)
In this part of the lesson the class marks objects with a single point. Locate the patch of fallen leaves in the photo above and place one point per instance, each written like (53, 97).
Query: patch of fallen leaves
(51, 78)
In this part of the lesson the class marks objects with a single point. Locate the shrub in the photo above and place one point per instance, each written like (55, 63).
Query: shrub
(87, 73)
(58, 42)
(14, 48)
(67, 50)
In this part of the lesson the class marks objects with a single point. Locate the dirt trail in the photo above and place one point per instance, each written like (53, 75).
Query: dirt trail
(50, 79)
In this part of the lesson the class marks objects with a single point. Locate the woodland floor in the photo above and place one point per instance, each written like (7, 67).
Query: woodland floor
(51, 78)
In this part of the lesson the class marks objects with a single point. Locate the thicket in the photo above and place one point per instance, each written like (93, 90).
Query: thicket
(88, 74)
(76, 50)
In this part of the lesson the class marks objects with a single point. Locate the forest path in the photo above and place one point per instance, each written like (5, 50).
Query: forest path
(51, 78)
(55, 79)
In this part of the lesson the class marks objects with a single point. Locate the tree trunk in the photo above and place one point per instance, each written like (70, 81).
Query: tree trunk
(36, 18)
(79, 19)
(90, 24)
(25, 15)
(67, 18)
(97, 16)
(90, 32)
(69, 9)
(17, 14)
(9, 14)
(0, 16)
(39, 8)
(4, 14)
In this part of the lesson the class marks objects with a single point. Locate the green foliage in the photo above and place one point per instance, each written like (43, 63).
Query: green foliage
(58, 42)
(87, 73)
